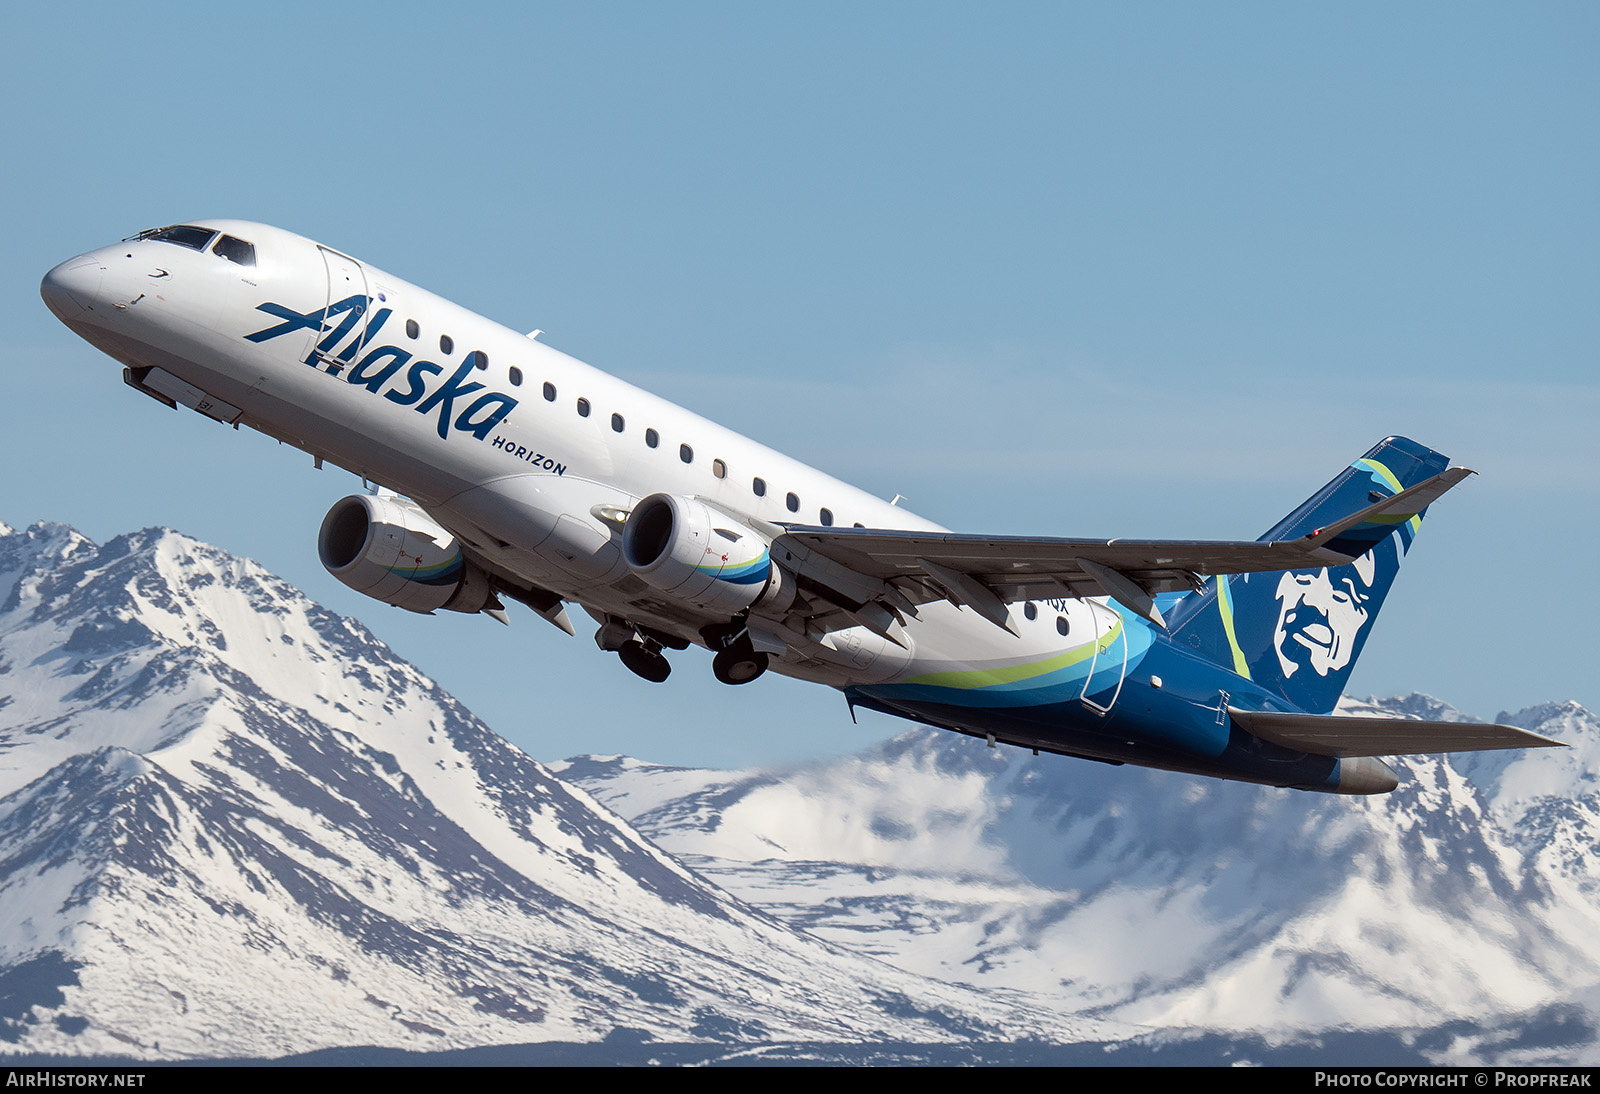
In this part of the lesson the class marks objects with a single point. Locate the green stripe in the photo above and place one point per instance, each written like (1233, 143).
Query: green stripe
(1225, 607)
(1394, 484)
(1387, 475)
(967, 679)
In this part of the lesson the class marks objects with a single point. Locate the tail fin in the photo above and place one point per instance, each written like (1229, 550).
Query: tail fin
(1298, 632)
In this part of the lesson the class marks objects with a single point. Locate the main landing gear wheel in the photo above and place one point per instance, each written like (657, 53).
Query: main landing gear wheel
(645, 662)
(738, 664)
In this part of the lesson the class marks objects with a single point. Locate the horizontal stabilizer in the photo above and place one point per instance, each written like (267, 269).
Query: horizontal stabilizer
(1341, 735)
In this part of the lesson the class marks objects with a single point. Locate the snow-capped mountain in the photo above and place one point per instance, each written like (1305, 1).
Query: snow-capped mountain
(1467, 896)
(234, 824)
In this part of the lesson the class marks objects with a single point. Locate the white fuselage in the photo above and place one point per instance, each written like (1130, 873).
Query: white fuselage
(523, 458)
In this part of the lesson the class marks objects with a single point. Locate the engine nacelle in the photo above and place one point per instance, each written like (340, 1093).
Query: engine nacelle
(698, 554)
(391, 550)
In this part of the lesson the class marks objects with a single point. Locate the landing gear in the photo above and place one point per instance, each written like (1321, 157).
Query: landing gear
(639, 647)
(644, 661)
(738, 663)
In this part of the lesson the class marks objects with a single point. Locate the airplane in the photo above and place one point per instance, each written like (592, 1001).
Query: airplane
(511, 471)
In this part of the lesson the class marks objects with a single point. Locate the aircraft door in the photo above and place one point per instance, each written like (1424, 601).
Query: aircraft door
(1109, 633)
(346, 314)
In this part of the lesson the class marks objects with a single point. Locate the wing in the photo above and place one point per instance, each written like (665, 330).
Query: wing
(876, 577)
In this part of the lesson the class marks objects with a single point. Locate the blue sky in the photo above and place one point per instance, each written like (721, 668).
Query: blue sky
(1063, 269)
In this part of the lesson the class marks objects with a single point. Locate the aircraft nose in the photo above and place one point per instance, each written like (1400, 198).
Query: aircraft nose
(72, 288)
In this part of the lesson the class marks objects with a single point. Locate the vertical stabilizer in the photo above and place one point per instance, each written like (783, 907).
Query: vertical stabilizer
(1298, 632)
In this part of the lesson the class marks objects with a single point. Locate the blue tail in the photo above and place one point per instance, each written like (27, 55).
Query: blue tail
(1298, 633)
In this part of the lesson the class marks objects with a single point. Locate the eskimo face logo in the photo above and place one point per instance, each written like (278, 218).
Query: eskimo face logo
(1320, 616)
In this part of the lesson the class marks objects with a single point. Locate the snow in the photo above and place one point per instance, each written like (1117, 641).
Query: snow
(235, 824)
(243, 827)
(1161, 900)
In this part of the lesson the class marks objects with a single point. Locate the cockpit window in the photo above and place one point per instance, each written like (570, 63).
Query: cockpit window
(235, 250)
(184, 235)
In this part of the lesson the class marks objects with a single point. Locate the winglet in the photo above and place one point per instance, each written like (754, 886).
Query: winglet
(1356, 534)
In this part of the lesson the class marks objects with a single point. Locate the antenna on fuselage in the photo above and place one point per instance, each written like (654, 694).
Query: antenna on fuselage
(534, 334)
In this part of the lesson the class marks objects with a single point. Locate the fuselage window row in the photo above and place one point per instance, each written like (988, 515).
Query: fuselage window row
(652, 437)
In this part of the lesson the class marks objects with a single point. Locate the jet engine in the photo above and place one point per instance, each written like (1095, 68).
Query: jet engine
(391, 550)
(684, 547)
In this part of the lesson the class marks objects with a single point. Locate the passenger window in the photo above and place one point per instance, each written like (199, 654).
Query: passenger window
(616, 423)
(583, 408)
(758, 487)
(651, 438)
(549, 392)
(793, 502)
(827, 518)
(236, 250)
(478, 358)
(516, 376)
(447, 345)
(1062, 627)
(412, 330)
(685, 453)
(719, 469)
(1030, 610)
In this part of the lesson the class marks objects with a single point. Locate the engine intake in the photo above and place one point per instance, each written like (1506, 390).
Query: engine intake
(684, 547)
(390, 549)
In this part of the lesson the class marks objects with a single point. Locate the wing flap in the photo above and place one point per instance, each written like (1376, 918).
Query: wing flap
(1039, 566)
(1343, 735)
